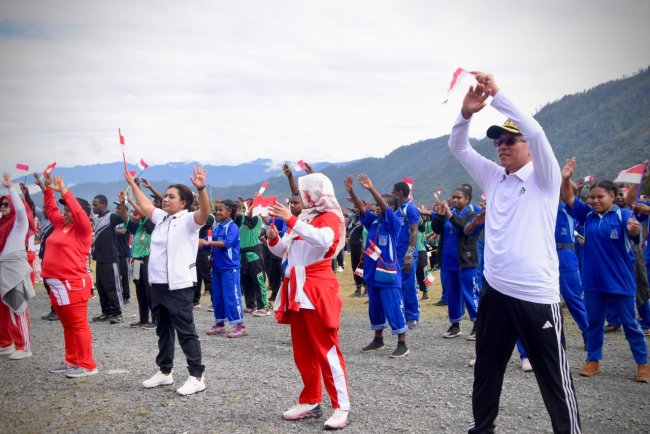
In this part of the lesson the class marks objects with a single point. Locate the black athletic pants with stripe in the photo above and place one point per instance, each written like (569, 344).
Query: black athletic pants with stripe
(107, 279)
(501, 319)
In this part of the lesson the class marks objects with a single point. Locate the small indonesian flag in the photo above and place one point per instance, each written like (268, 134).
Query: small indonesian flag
(456, 78)
(261, 205)
(409, 182)
(483, 196)
(286, 200)
(263, 188)
(21, 166)
(358, 272)
(588, 178)
(300, 165)
(429, 279)
(438, 193)
(49, 168)
(373, 251)
(632, 175)
(142, 164)
(119, 132)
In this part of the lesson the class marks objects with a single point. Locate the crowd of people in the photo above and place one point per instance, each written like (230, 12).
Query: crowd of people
(537, 239)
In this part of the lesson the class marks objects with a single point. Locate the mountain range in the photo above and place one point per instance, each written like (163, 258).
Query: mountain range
(607, 128)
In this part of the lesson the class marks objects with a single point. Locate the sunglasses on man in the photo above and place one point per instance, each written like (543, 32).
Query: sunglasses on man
(508, 141)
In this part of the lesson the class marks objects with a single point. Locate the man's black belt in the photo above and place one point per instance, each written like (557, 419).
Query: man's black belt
(564, 246)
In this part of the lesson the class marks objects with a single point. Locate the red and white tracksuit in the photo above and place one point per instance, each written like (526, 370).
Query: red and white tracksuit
(14, 328)
(310, 303)
(64, 269)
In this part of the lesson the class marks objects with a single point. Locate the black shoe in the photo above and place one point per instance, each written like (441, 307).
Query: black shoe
(376, 344)
(425, 297)
(356, 293)
(440, 303)
(472, 334)
(611, 328)
(50, 316)
(138, 324)
(400, 351)
(115, 319)
(452, 332)
(101, 317)
(127, 300)
(149, 326)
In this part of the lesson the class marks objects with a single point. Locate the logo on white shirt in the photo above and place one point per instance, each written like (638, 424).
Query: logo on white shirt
(547, 325)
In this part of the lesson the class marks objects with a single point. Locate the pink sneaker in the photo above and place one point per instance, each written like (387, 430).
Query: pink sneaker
(238, 332)
(216, 330)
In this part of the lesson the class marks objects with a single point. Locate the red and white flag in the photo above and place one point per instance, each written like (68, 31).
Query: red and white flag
(358, 272)
(142, 164)
(133, 173)
(588, 178)
(49, 168)
(373, 251)
(300, 165)
(428, 281)
(438, 193)
(409, 182)
(632, 175)
(456, 78)
(119, 132)
(21, 166)
(261, 205)
(483, 196)
(263, 188)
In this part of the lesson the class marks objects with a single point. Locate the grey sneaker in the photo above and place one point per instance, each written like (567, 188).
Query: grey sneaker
(376, 344)
(80, 372)
(116, 319)
(412, 324)
(101, 317)
(61, 368)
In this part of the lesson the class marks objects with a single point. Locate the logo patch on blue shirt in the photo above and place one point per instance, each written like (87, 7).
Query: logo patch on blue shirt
(383, 240)
(613, 235)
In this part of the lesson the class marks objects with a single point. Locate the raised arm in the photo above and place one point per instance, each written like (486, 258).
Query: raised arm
(121, 196)
(367, 184)
(27, 196)
(19, 206)
(81, 220)
(140, 197)
(547, 169)
(199, 179)
(566, 190)
(293, 185)
(358, 203)
(153, 191)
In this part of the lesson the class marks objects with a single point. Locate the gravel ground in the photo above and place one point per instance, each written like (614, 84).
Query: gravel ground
(250, 381)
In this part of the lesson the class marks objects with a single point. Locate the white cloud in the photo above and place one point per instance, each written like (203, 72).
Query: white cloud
(227, 82)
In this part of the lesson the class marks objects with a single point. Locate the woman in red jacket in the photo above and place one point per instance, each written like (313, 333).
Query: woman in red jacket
(309, 299)
(65, 271)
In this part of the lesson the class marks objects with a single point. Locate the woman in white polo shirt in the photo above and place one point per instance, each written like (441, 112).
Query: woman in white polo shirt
(172, 275)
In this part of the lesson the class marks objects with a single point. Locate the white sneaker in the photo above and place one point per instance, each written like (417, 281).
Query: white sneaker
(302, 411)
(340, 269)
(20, 354)
(159, 379)
(8, 350)
(526, 366)
(192, 385)
(338, 420)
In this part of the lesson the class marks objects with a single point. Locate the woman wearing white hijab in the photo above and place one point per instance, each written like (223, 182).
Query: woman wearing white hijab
(309, 299)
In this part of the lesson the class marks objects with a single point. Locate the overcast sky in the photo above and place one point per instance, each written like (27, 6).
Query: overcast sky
(226, 82)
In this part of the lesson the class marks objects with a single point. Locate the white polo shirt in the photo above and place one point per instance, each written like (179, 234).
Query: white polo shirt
(520, 256)
(174, 242)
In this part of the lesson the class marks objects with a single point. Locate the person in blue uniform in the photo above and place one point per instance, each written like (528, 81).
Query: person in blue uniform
(382, 275)
(226, 287)
(407, 255)
(608, 269)
(459, 259)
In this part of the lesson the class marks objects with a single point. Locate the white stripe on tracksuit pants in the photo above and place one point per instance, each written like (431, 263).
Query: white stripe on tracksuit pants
(501, 319)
